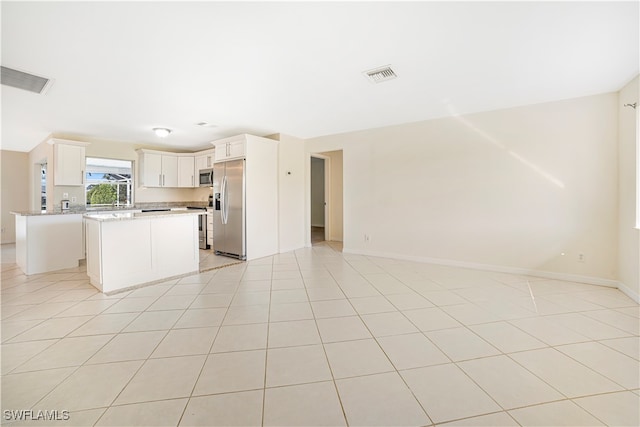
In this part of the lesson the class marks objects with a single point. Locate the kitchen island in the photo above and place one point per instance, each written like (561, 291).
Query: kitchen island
(48, 241)
(127, 250)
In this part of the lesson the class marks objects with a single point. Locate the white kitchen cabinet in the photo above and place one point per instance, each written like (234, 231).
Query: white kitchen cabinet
(130, 250)
(150, 169)
(204, 160)
(158, 169)
(48, 242)
(169, 171)
(230, 148)
(68, 163)
(186, 175)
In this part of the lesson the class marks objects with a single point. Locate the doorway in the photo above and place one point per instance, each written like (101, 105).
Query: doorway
(319, 219)
(325, 199)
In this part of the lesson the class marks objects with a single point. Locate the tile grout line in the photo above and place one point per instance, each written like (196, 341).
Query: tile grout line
(324, 349)
(208, 354)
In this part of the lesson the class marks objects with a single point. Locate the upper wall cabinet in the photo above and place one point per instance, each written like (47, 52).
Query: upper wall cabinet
(204, 160)
(230, 148)
(171, 170)
(157, 169)
(186, 175)
(68, 162)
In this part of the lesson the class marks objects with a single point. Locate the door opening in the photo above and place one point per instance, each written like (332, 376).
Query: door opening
(325, 220)
(318, 200)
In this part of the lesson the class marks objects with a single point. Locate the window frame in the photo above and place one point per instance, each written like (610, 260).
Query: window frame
(130, 182)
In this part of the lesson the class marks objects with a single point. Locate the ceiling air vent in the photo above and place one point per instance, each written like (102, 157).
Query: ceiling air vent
(381, 74)
(26, 81)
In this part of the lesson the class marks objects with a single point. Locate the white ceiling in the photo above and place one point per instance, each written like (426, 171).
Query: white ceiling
(122, 68)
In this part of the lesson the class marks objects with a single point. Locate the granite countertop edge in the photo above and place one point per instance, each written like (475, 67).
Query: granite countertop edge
(102, 210)
(127, 216)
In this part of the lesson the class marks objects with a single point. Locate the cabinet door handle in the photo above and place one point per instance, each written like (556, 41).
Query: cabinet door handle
(163, 180)
(81, 176)
(160, 179)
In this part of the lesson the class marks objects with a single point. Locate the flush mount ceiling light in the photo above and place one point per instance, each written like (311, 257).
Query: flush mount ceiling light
(380, 74)
(162, 132)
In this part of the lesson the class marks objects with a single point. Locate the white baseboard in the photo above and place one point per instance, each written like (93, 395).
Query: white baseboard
(628, 292)
(497, 268)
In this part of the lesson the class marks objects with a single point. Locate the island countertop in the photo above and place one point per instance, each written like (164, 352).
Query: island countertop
(49, 213)
(82, 210)
(122, 216)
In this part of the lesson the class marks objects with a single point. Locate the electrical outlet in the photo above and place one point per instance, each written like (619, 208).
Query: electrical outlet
(580, 257)
(74, 199)
(65, 195)
(2, 230)
(367, 238)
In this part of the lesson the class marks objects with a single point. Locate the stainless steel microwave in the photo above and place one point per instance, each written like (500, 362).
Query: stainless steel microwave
(206, 177)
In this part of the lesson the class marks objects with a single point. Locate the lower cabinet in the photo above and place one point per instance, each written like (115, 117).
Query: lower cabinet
(48, 242)
(122, 254)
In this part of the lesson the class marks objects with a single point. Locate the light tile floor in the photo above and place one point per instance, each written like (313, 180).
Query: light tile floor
(317, 337)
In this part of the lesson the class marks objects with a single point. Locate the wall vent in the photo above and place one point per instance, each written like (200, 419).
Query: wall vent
(22, 80)
(380, 74)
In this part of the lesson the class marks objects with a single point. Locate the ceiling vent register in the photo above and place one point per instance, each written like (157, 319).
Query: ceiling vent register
(22, 80)
(381, 74)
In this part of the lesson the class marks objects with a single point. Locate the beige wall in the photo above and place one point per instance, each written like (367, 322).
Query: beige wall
(628, 234)
(521, 189)
(291, 192)
(336, 201)
(14, 181)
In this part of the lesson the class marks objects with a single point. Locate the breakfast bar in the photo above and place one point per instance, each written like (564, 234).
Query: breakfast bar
(48, 241)
(129, 249)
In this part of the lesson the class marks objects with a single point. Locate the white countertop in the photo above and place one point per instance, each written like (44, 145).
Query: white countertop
(43, 213)
(100, 210)
(122, 216)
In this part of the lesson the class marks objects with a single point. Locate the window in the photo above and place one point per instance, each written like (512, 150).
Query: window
(109, 182)
(43, 186)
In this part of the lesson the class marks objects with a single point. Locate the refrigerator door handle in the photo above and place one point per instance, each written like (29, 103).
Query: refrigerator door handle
(222, 204)
(226, 200)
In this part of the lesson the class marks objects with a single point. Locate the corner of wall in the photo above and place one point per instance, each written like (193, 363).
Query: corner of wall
(628, 177)
(629, 292)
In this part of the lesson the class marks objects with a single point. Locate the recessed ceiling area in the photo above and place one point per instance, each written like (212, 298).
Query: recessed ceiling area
(123, 68)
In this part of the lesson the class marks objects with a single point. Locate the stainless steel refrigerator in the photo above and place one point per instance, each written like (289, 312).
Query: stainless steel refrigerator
(229, 216)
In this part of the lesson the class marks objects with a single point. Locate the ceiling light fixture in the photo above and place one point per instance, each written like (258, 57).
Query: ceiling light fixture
(162, 132)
